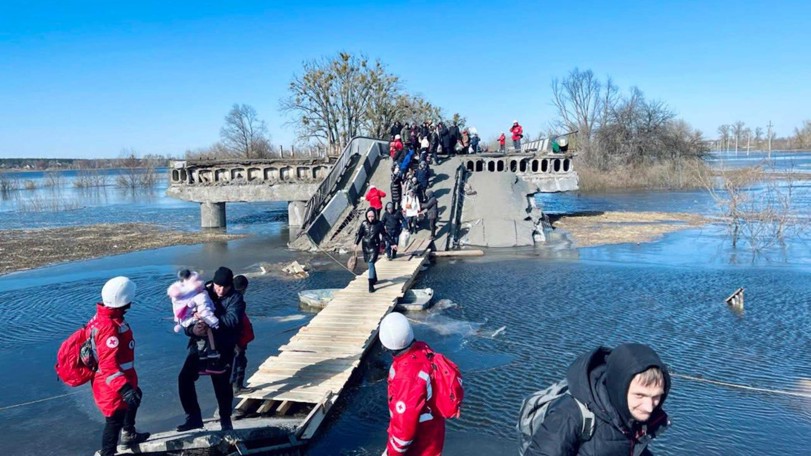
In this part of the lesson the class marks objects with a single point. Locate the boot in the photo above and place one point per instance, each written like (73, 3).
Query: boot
(131, 438)
(192, 422)
(225, 424)
(374, 281)
(371, 286)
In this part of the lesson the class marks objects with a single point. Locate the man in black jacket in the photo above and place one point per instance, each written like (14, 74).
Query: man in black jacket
(431, 211)
(625, 388)
(392, 226)
(229, 308)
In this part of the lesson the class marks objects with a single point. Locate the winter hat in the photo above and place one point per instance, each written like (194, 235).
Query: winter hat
(240, 283)
(224, 277)
(118, 292)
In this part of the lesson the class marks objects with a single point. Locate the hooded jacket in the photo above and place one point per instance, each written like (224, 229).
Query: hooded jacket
(600, 380)
(392, 221)
(374, 196)
(371, 233)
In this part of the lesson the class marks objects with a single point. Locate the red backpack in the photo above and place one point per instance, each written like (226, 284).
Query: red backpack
(245, 332)
(448, 390)
(76, 358)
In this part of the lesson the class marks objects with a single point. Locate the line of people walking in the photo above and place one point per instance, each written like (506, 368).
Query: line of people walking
(412, 201)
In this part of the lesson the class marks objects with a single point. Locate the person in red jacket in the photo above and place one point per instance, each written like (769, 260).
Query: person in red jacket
(115, 383)
(396, 148)
(416, 428)
(375, 198)
(501, 140)
(518, 133)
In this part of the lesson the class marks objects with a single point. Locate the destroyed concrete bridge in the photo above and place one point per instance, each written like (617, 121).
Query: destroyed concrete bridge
(325, 195)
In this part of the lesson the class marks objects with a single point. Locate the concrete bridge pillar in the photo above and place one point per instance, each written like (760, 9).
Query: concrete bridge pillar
(212, 215)
(295, 213)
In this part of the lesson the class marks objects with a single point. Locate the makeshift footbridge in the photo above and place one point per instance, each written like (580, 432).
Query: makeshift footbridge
(293, 391)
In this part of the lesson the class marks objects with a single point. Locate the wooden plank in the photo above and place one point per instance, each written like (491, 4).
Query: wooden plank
(285, 407)
(266, 407)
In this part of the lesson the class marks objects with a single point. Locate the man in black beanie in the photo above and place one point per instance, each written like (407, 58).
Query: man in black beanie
(229, 308)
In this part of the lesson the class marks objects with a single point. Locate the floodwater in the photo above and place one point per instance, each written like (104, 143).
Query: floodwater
(513, 320)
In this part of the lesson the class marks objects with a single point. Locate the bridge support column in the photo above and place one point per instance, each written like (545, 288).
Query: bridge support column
(295, 213)
(212, 215)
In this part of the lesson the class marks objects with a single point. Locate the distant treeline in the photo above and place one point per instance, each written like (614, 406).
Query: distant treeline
(149, 161)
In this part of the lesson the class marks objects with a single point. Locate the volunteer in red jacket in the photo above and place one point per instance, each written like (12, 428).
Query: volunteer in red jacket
(518, 133)
(375, 198)
(115, 383)
(415, 428)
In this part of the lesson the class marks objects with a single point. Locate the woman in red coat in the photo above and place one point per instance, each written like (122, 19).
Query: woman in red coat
(518, 133)
(375, 198)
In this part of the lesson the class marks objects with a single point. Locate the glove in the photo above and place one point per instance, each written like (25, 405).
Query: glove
(132, 396)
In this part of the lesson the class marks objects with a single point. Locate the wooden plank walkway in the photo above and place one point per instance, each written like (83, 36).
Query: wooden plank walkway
(312, 369)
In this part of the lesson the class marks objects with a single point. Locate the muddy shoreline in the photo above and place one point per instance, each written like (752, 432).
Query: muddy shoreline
(28, 249)
(603, 228)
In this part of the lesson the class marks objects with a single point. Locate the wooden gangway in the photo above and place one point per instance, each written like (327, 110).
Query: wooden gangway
(313, 368)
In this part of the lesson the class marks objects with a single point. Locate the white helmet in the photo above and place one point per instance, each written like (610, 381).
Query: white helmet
(395, 332)
(118, 292)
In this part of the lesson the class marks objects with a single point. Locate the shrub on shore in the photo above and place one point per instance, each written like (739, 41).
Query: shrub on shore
(662, 175)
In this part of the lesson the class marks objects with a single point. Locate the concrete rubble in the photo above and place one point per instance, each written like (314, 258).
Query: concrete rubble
(500, 212)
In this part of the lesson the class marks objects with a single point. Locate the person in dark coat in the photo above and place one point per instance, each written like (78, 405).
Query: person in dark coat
(371, 234)
(625, 388)
(229, 308)
(434, 138)
(393, 222)
(456, 136)
(423, 176)
(396, 188)
(431, 211)
(395, 129)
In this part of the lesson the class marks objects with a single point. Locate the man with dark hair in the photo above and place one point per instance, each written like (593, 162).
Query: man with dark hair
(230, 309)
(624, 389)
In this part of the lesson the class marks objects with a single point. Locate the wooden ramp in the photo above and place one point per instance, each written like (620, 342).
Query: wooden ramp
(311, 370)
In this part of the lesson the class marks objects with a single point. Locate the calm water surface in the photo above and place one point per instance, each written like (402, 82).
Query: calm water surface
(513, 320)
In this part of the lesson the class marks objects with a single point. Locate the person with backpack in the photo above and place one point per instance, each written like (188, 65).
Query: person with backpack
(115, 382)
(609, 404)
(229, 308)
(424, 389)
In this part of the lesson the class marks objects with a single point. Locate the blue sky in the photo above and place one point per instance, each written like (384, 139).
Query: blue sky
(87, 79)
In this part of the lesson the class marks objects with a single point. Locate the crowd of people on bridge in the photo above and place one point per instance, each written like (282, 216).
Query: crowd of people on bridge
(434, 139)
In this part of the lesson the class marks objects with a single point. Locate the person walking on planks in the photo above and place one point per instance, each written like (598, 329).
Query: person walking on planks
(415, 426)
(371, 234)
(229, 307)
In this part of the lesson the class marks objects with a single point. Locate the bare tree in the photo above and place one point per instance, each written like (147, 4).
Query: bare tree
(578, 100)
(244, 134)
(737, 132)
(724, 131)
(334, 99)
(758, 135)
(802, 135)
